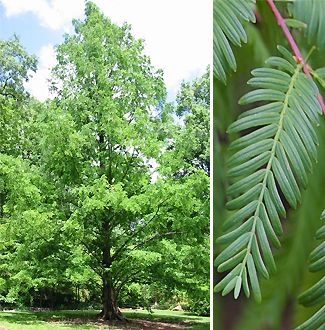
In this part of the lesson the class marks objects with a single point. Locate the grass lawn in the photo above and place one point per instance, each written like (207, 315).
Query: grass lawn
(87, 320)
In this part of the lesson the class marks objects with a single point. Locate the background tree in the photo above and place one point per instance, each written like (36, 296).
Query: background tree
(19, 180)
(187, 163)
(16, 67)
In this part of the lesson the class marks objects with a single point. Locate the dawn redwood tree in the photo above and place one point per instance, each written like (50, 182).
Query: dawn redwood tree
(101, 134)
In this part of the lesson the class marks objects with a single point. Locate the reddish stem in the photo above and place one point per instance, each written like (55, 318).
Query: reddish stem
(293, 45)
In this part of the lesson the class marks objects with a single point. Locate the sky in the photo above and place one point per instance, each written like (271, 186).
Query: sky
(177, 33)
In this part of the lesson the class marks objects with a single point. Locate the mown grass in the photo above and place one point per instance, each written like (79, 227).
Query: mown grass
(36, 321)
(165, 315)
(86, 320)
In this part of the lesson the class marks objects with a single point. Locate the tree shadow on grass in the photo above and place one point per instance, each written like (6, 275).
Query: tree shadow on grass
(89, 320)
(41, 318)
(20, 317)
(182, 318)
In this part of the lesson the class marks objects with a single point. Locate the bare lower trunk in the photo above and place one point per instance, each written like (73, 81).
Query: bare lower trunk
(110, 309)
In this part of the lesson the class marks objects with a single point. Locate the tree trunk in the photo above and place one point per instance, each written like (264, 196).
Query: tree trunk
(110, 309)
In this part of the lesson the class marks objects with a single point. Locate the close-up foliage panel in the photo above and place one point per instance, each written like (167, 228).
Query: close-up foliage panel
(268, 151)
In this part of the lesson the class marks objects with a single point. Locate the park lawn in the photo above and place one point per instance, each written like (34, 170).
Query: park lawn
(197, 322)
(86, 320)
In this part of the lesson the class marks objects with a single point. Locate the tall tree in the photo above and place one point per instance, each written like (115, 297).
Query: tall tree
(103, 130)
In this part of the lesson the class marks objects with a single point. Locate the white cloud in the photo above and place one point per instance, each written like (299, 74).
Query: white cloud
(53, 14)
(177, 33)
(38, 84)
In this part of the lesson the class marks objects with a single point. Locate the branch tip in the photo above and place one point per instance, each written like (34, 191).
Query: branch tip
(297, 54)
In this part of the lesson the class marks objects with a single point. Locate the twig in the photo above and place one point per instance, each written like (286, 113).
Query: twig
(293, 46)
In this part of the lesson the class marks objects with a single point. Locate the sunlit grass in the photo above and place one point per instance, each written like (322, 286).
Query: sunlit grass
(85, 320)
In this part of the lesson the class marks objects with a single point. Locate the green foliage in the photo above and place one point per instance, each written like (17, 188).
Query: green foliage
(285, 146)
(191, 150)
(111, 100)
(200, 305)
(138, 295)
(312, 13)
(15, 68)
(228, 17)
(97, 184)
(281, 290)
(319, 76)
(315, 295)
(298, 159)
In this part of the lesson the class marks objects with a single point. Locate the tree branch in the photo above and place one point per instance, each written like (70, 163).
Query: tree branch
(154, 237)
(136, 232)
(293, 46)
(129, 277)
(91, 252)
(129, 163)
